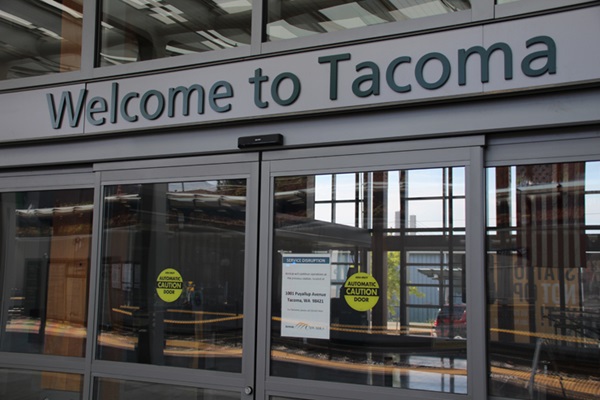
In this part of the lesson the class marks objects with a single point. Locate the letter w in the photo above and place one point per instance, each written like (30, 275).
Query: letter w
(66, 104)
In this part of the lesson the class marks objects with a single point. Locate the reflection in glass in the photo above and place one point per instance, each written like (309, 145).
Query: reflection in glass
(136, 30)
(544, 281)
(22, 384)
(39, 37)
(46, 242)
(289, 19)
(116, 389)
(173, 273)
(413, 336)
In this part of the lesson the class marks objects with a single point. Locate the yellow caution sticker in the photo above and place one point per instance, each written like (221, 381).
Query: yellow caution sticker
(169, 285)
(361, 291)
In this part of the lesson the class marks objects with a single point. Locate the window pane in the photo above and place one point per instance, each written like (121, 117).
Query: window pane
(173, 274)
(323, 187)
(427, 213)
(458, 181)
(136, 30)
(291, 19)
(116, 389)
(345, 214)
(543, 282)
(39, 38)
(21, 384)
(359, 305)
(46, 242)
(425, 183)
(323, 212)
(345, 186)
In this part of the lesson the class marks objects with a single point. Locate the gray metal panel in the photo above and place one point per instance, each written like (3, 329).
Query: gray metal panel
(377, 148)
(482, 9)
(26, 115)
(49, 180)
(476, 277)
(321, 390)
(545, 149)
(445, 157)
(42, 362)
(167, 375)
(65, 78)
(525, 7)
(165, 174)
(179, 162)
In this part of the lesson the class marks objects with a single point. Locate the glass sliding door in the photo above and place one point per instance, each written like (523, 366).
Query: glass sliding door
(175, 284)
(368, 280)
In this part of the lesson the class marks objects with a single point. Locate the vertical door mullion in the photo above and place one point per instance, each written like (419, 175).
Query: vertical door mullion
(263, 331)
(475, 278)
(251, 290)
(6, 272)
(93, 292)
(231, 381)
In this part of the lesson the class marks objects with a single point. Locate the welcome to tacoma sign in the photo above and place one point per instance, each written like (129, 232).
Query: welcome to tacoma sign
(537, 52)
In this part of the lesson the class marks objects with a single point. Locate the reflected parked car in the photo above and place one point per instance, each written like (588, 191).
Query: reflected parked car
(451, 322)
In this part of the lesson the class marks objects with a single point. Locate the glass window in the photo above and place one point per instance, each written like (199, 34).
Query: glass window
(372, 293)
(544, 280)
(172, 278)
(46, 242)
(115, 389)
(137, 30)
(289, 19)
(39, 37)
(22, 384)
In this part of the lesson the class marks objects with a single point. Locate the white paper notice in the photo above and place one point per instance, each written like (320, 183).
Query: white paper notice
(305, 295)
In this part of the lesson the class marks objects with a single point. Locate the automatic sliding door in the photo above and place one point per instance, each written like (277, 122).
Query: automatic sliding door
(175, 310)
(369, 278)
